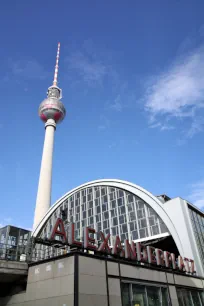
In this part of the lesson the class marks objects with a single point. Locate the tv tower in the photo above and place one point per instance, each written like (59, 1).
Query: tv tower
(51, 111)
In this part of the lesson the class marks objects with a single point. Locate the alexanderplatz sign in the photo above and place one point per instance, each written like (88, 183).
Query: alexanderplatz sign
(128, 250)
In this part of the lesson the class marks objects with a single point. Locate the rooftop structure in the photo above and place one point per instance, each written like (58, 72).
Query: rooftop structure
(123, 209)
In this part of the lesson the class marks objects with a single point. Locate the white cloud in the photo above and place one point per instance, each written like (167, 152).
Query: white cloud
(112, 145)
(162, 127)
(104, 123)
(196, 126)
(197, 194)
(89, 68)
(179, 91)
(182, 86)
(29, 69)
(117, 104)
(167, 127)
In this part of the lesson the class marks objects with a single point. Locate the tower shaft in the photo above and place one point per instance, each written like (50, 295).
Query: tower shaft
(52, 112)
(45, 180)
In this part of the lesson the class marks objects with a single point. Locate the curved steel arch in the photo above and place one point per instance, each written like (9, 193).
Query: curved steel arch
(149, 198)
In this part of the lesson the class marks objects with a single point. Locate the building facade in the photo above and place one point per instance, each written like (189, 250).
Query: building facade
(81, 279)
(14, 242)
(126, 210)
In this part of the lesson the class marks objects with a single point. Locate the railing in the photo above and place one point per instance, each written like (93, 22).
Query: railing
(31, 252)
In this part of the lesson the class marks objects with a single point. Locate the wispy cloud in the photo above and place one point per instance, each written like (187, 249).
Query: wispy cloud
(196, 126)
(89, 69)
(27, 68)
(125, 97)
(178, 92)
(112, 145)
(117, 104)
(162, 127)
(196, 195)
(94, 66)
(104, 123)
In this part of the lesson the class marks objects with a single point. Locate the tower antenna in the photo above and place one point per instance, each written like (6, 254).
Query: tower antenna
(56, 66)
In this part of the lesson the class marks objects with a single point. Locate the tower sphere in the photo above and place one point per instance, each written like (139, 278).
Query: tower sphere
(52, 107)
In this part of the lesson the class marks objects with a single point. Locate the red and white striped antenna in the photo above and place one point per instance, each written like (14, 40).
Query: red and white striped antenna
(56, 66)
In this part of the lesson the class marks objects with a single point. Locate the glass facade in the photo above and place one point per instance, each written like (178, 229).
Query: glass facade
(13, 242)
(190, 297)
(110, 210)
(144, 295)
(197, 221)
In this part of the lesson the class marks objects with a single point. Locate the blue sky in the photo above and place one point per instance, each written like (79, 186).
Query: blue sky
(132, 75)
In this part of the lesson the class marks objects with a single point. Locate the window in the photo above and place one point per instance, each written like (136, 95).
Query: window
(142, 233)
(125, 294)
(90, 204)
(103, 191)
(197, 223)
(155, 230)
(91, 220)
(139, 295)
(165, 297)
(98, 218)
(112, 213)
(115, 231)
(106, 215)
(190, 297)
(134, 235)
(143, 223)
(121, 219)
(115, 221)
(97, 194)
(104, 199)
(124, 228)
(130, 207)
(132, 226)
(130, 198)
(104, 207)
(120, 193)
(140, 213)
(151, 221)
(120, 202)
(153, 296)
(142, 295)
(113, 204)
(122, 210)
(96, 202)
(112, 196)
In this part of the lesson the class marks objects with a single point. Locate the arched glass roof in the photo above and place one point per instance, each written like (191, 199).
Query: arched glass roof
(109, 209)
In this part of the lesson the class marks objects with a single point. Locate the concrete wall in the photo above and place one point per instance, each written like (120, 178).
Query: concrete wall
(49, 284)
(92, 282)
(87, 281)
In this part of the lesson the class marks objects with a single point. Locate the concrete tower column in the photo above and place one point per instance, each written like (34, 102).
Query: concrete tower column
(43, 201)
